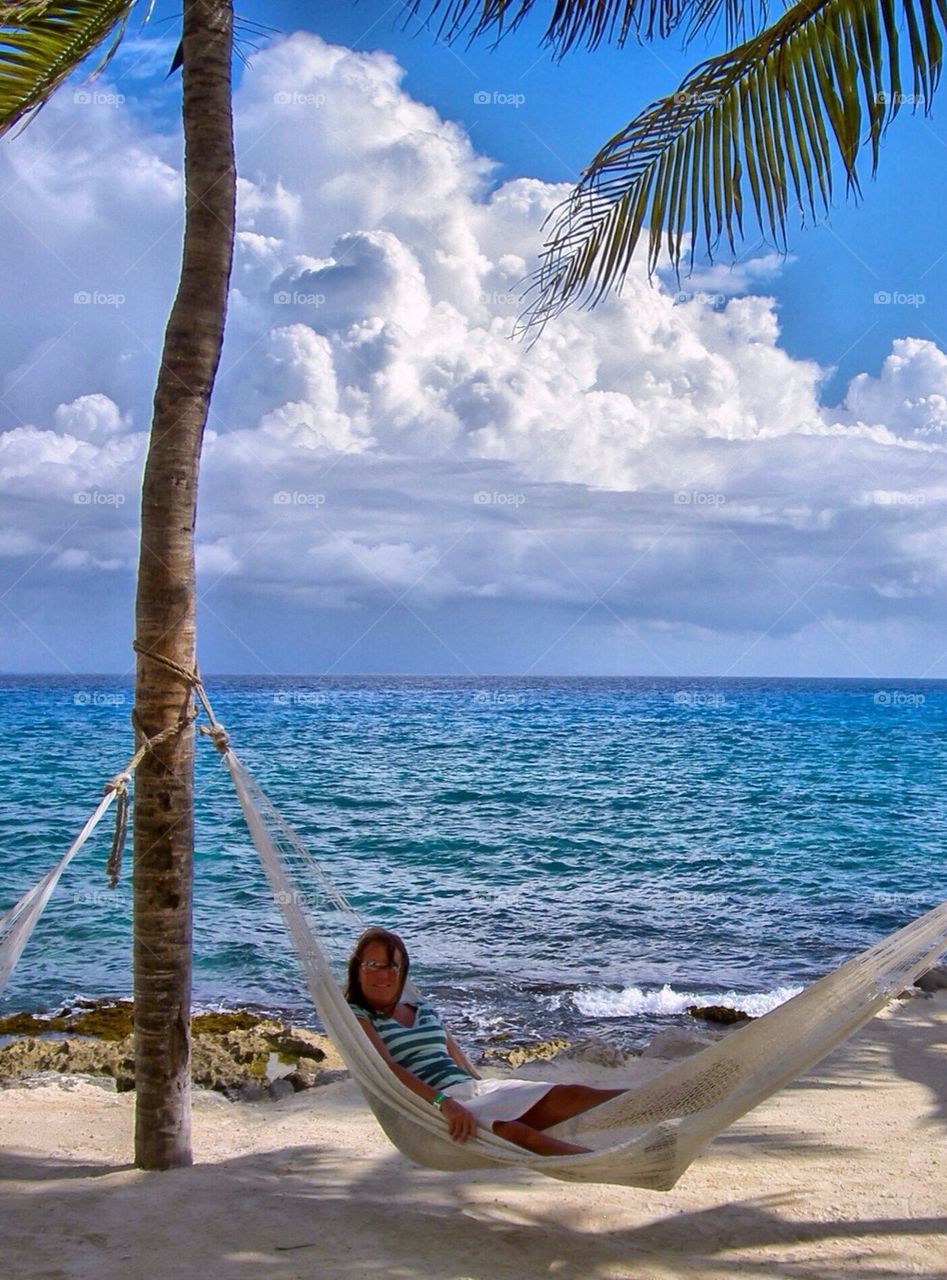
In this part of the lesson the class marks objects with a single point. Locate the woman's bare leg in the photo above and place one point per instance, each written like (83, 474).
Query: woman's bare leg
(539, 1143)
(562, 1102)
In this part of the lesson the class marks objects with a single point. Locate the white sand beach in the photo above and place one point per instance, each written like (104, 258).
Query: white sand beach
(843, 1173)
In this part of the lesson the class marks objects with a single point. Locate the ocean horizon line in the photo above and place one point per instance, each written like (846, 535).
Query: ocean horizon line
(275, 677)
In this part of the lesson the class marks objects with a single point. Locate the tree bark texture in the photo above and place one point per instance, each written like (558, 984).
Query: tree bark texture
(165, 606)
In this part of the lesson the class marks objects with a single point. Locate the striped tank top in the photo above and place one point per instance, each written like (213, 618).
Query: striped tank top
(421, 1048)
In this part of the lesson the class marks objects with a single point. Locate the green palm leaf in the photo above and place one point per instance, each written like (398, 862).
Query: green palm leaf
(776, 117)
(573, 23)
(41, 43)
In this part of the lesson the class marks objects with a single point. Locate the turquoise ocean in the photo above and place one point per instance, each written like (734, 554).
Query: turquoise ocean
(562, 856)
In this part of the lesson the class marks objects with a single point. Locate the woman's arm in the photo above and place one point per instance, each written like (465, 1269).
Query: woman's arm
(460, 1121)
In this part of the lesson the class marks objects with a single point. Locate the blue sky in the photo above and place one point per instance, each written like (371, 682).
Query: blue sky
(743, 475)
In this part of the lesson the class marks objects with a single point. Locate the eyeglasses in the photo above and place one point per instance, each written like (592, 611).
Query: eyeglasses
(377, 965)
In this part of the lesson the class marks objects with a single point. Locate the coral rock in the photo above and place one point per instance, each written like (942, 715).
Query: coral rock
(717, 1013)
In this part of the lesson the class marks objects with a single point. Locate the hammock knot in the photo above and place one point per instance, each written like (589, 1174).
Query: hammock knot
(192, 679)
(187, 717)
(218, 736)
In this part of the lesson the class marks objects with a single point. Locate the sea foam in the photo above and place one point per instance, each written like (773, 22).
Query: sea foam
(603, 1002)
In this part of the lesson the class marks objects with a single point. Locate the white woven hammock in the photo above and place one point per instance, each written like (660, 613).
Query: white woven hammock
(18, 923)
(646, 1137)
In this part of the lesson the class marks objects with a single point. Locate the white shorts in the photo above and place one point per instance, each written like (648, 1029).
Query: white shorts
(492, 1100)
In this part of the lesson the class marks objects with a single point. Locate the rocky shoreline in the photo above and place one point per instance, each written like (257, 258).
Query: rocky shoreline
(243, 1055)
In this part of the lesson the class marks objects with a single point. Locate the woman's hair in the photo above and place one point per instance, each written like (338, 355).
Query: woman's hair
(394, 950)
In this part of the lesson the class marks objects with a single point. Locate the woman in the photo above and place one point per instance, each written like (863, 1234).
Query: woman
(413, 1041)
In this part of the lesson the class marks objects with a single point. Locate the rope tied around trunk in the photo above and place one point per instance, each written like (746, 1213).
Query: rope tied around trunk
(215, 730)
(119, 783)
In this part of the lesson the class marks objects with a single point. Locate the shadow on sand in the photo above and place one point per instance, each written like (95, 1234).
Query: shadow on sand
(301, 1212)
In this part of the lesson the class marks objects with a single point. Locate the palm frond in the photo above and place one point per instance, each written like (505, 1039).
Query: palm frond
(42, 41)
(572, 23)
(737, 17)
(775, 117)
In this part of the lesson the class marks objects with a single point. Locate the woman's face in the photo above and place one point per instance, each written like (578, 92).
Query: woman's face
(381, 979)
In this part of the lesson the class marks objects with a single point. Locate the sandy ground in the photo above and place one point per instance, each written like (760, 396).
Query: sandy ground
(842, 1174)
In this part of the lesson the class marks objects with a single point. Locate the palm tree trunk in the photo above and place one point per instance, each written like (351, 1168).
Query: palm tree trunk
(165, 606)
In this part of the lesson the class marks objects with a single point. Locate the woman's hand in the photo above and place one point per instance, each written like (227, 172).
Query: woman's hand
(460, 1121)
